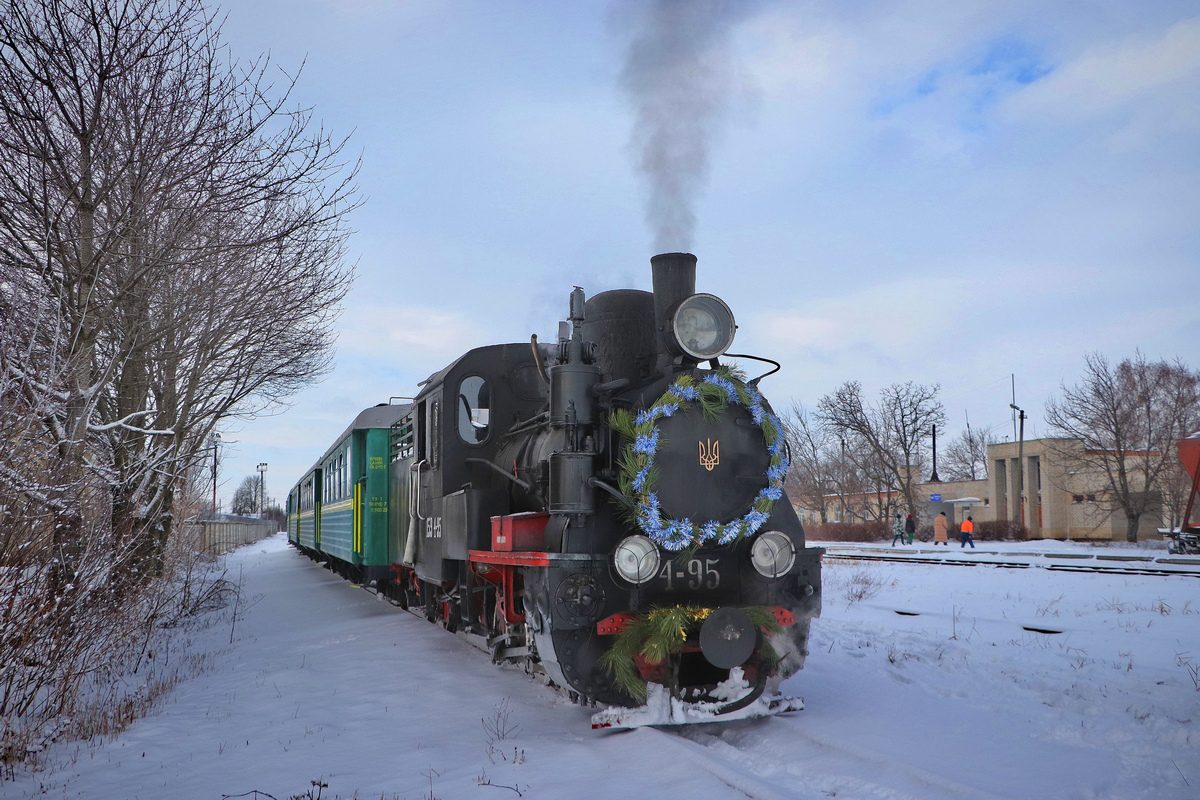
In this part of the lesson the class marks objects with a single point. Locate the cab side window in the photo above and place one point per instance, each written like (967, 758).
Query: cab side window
(474, 409)
(435, 434)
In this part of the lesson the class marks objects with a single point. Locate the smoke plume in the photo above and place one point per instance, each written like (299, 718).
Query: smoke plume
(678, 76)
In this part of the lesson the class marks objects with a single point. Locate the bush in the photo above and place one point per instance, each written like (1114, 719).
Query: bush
(1000, 530)
(848, 532)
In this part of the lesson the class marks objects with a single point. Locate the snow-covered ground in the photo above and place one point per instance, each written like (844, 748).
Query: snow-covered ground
(952, 698)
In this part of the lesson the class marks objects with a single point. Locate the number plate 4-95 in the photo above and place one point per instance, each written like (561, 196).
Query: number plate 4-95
(694, 574)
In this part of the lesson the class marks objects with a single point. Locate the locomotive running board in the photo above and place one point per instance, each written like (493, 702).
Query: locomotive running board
(677, 712)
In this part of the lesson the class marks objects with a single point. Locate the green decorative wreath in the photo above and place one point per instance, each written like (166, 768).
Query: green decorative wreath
(661, 633)
(638, 473)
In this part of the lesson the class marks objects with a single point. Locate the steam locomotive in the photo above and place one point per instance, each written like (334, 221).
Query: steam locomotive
(607, 510)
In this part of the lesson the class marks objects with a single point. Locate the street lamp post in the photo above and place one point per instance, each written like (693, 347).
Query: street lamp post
(1020, 465)
(934, 477)
(262, 472)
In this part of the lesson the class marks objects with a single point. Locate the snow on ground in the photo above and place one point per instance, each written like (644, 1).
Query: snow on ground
(952, 699)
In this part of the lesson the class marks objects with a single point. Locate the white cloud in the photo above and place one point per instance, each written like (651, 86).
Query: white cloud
(892, 316)
(375, 328)
(1141, 72)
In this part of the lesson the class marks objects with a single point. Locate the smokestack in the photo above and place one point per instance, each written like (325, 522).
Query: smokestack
(674, 282)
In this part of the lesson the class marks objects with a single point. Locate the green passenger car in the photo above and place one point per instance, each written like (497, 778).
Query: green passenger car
(341, 509)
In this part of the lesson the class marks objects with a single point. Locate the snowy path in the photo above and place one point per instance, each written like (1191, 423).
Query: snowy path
(324, 681)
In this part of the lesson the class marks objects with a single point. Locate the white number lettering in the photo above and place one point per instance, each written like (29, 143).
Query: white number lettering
(699, 574)
(433, 528)
(713, 579)
(666, 573)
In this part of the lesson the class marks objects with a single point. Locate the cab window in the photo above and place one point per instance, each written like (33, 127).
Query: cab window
(435, 439)
(474, 409)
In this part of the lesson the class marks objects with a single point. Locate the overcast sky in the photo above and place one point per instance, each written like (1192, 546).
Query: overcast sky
(946, 193)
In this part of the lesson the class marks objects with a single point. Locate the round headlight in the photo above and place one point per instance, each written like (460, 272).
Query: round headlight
(772, 554)
(703, 326)
(636, 559)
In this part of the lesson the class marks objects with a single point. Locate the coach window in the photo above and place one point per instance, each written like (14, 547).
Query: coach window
(474, 409)
(342, 474)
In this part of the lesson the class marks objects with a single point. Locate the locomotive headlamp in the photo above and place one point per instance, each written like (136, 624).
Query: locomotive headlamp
(703, 326)
(772, 554)
(636, 559)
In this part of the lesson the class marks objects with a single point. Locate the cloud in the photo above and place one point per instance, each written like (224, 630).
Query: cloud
(1140, 72)
(375, 328)
(892, 316)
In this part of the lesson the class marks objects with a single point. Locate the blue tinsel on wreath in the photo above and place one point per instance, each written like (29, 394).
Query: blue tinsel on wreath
(677, 534)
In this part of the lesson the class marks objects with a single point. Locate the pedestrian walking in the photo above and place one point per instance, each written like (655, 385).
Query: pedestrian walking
(910, 527)
(941, 530)
(897, 531)
(967, 530)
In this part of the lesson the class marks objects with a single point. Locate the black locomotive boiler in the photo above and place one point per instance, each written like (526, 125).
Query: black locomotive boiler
(608, 509)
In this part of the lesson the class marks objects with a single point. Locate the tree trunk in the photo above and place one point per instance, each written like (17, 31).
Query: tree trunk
(1131, 526)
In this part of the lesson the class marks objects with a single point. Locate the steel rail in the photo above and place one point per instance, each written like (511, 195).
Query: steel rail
(1122, 567)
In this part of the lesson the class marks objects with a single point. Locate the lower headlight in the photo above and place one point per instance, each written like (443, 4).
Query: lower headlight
(636, 559)
(772, 554)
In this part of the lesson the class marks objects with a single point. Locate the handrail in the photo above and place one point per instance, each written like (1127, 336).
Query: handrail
(414, 479)
(497, 468)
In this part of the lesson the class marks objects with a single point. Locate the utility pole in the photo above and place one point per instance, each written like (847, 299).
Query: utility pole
(842, 482)
(214, 442)
(262, 500)
(1020, 466)
(1013, 404)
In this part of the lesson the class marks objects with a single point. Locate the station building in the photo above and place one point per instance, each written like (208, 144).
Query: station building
(1061, 501)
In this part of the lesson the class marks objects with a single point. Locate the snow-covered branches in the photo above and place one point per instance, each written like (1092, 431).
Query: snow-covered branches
(171, 247)
(172, 242)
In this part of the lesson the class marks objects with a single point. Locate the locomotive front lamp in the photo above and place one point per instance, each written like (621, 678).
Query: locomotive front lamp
(703, 326)
(772, 554)
(636, 559)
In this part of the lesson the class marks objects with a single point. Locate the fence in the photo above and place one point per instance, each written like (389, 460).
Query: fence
(219, 536)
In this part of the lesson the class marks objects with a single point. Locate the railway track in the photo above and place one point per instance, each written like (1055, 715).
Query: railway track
(1058, 562)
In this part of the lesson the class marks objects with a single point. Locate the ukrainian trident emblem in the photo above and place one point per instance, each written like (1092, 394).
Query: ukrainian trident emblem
(710, 454)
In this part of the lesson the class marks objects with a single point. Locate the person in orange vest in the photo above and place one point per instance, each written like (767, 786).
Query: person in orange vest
(967, 531)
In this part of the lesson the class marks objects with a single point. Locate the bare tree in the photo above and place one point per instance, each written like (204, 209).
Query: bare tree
(893, 432)
(827, 471)
(1121, 423)
(966, 457)
(868, 480)
(813, 476)
(245, 498)
(179, 231)
(172, 235)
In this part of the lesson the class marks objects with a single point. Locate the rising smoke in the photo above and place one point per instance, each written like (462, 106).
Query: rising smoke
(678, 75)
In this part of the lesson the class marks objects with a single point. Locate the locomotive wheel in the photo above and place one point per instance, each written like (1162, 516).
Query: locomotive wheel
(431, 603)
